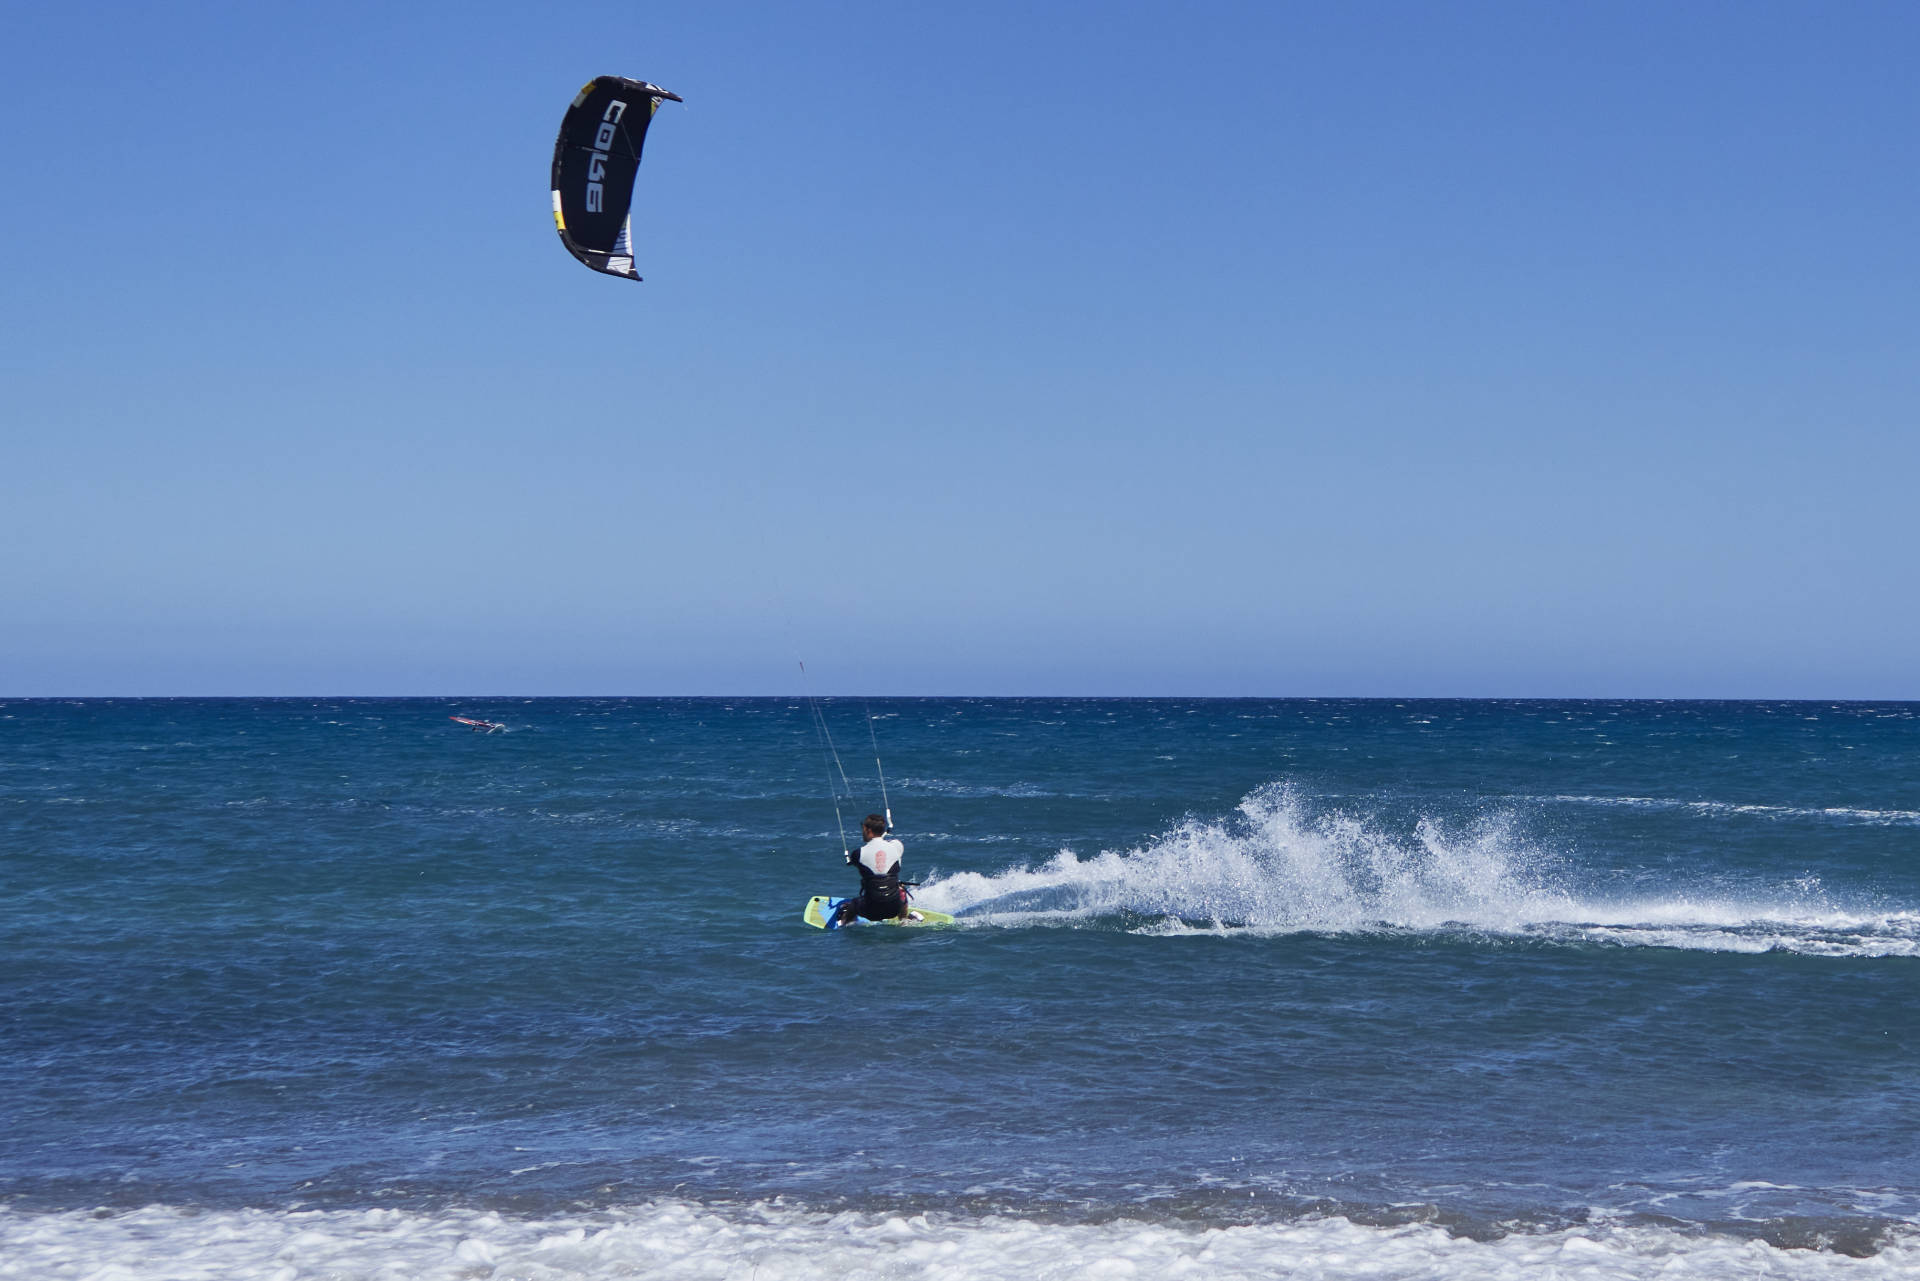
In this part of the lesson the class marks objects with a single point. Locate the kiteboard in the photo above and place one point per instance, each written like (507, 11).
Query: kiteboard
(820, 910)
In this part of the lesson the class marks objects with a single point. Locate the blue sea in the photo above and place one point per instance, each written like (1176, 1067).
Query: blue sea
(305, 988)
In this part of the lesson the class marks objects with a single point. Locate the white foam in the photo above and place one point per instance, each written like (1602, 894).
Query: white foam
(948, 787)
(768, 1242)
(1831, 813)
(1276, 867)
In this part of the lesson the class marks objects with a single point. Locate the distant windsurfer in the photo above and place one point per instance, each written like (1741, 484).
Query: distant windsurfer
(882, 897)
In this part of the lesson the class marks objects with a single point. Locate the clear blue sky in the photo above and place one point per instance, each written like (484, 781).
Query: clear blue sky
(1273, 349)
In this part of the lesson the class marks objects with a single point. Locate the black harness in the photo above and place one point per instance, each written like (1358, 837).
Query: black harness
(879, 887)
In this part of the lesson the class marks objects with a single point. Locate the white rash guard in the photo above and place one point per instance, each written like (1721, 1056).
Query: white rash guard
(881, 856)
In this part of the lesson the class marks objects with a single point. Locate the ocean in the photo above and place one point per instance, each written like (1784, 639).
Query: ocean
(1315, 988)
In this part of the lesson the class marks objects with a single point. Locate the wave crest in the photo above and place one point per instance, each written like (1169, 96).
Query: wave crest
(682, 1239)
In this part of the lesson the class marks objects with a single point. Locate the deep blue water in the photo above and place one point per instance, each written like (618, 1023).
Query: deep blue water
(1501, 966)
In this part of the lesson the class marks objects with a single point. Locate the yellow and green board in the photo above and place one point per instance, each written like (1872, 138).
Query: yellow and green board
(820, 910)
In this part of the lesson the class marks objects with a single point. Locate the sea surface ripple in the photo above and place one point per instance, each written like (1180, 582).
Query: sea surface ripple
(1328, 988)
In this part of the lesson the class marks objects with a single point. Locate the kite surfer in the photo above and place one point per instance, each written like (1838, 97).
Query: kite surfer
(882, 897)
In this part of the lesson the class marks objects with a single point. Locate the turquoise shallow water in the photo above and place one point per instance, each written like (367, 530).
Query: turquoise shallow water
(1494, 967)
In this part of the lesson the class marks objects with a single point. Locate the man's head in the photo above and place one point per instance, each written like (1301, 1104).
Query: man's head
(873, 825)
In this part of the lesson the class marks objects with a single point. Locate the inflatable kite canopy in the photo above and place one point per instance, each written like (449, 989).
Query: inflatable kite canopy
(595, 160)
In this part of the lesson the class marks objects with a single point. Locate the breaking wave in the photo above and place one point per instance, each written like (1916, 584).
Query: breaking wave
(1277, 867)
(679, 1239)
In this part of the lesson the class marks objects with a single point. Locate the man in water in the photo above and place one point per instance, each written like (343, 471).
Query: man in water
(881, 896)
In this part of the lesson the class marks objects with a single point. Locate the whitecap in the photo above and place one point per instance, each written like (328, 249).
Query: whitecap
(1834, 813)
(678, 1239)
